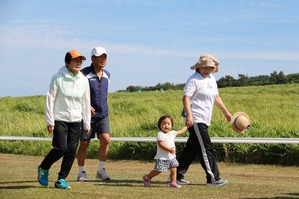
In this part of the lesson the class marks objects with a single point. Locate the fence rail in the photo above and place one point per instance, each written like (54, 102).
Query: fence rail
(178, 139)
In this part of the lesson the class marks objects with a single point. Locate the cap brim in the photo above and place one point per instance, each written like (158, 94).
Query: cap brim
(97, 55)
(81, 56)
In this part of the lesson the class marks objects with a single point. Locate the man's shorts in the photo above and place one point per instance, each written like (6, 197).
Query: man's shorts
(165, 165)
(98, 126)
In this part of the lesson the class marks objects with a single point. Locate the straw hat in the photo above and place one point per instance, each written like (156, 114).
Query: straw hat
(207, 60)
(240, 122)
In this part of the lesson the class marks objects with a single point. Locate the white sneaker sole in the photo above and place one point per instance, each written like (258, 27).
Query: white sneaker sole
(82, 179)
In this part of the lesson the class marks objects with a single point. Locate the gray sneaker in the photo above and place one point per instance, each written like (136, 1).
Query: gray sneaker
(182, 181)
(220, 182)
(102, 174)
(82, 177)
(179, 181)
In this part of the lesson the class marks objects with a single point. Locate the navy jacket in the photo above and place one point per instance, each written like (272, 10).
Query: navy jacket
(98, 90)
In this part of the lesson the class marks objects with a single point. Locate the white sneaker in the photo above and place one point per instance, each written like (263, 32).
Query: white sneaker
(102, 174)
(82, 177)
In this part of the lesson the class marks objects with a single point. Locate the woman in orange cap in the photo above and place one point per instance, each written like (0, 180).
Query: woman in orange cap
(67, 105)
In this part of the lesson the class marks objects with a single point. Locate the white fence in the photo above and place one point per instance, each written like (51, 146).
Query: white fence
(178, 139)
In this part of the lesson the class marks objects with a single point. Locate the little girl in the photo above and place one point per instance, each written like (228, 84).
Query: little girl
(165, 158)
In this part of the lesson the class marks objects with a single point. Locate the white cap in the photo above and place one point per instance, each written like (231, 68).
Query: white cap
(98, 51)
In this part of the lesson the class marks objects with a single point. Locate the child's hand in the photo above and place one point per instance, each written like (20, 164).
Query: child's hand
(172, 151)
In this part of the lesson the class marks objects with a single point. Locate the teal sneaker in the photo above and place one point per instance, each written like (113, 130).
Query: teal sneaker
(42, 176)
(62, 184)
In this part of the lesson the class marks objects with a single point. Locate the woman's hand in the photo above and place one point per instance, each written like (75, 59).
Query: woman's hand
(50, 128)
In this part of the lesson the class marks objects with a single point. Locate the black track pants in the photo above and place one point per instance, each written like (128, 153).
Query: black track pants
(199, 144)
(65, 143)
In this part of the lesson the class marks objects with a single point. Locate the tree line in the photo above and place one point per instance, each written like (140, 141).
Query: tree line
(226, 81)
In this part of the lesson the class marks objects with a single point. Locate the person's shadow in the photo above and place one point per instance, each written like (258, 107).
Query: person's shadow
(133, 183)
(17, 186)
(287, 196)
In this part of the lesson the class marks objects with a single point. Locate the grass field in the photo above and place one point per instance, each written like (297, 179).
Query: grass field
(272, 109)
(273, 112)
(18, 180)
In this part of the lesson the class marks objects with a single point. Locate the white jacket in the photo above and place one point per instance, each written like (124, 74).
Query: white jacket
(68, 99)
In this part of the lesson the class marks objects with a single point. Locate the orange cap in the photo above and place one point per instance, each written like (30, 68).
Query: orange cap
(75, 54)
(72, 54)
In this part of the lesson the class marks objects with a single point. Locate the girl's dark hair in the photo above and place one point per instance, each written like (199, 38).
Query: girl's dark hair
(163, 118)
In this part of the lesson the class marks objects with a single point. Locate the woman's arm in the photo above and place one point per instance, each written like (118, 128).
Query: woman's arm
(219, 103)
(186, 103)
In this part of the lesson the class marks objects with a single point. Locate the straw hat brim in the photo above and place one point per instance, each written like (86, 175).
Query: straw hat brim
(207, 60)
(233, 119)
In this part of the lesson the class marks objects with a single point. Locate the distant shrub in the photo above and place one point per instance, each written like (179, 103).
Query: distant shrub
(25, 107)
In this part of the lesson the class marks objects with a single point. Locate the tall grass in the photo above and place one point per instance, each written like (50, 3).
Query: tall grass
(22, 116)
(273, 112)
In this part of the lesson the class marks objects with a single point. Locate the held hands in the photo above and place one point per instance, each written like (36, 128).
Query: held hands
(189, 121)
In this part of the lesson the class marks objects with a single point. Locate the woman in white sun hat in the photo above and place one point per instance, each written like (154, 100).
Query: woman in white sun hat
(200, 95)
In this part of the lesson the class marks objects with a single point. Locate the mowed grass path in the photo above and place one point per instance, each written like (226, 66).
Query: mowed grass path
(18, 180)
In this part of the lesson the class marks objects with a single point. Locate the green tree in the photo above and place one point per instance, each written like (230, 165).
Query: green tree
(226, 81)
(243, 80)
(133, 88)
(278, 78)
(293, 78)
(259, 80)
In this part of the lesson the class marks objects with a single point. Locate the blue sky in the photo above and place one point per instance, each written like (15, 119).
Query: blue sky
(148, 41)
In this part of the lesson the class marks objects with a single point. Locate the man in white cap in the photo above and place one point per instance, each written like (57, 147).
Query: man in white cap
(200, 95)
(99, 80)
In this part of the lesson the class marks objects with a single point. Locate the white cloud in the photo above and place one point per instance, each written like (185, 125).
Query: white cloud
(39, 36)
